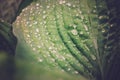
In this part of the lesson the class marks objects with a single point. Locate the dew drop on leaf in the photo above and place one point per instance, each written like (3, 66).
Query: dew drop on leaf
(74, 32)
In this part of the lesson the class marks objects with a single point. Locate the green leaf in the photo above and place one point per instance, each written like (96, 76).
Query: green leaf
(69, 35)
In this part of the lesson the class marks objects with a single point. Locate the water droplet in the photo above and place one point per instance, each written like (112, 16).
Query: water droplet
(49, 55)
(44, 22)
(53, 60)
(23, 10)
(95, 7)
(103, 30)
(39, 46)
(41, 23)
(77, 15)
(35, 33)
(37, 4)
(34, 49)
(27, 22)
(74, 6)
(93, 57)
(88, 32)
(58, 16)
(74, 32)
(44, 16)
(100, 17)
(45, 26)
(47, 33)
(81, 32)
(40, 60)
(66, 65)
(82, 17)
(53, 19)
(76, 72)
(74, 26)
(86, 28)
(28, 35)
(48, 6)
(62, 70)
(46, 41)
(54, 51)
(68, 69)
(33, 14)
(37, 7)
(80, 11)
(112, 25)
(35, 22)
(41, 6)
(63, 1)
(63, 58)
(44, 12)
(68, 4)
(31, 45)
(50, 48)
(94, 11)
(60, 2)
(37, 30)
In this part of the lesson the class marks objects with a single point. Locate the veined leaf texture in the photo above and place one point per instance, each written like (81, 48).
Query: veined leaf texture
(69, 35)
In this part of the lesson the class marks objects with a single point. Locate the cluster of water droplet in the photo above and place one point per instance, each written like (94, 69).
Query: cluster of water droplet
(40, 24)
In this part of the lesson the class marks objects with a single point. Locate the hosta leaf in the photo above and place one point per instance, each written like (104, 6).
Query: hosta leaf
(74, 36)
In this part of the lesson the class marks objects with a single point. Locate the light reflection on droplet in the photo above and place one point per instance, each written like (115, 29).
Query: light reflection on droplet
(28, 35)
(73, 6)
(37, 30)
(103, 30)
(68, 69)
(86, 28)
(34, 49)
(76, 72)
(37, 4)
(44, 16)
(94, 11)
(44, 22)
(81, 32)
(74, 26)
(37, 7)
(50, 48)
(68, 4)
(74, 32)
(62, 1)
(40, 60)
(44, 12)
(48, 6)
(93, 57)
(39, 46)
(35, 22)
